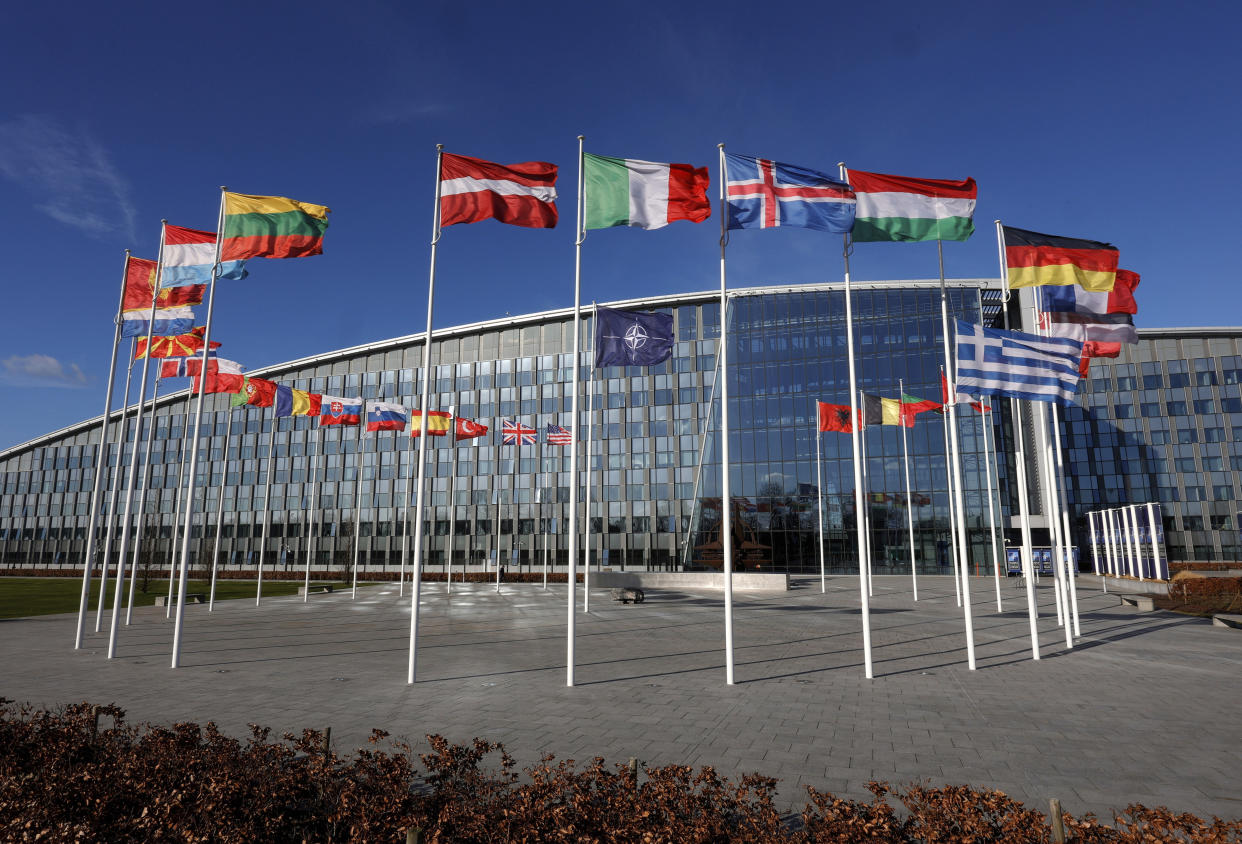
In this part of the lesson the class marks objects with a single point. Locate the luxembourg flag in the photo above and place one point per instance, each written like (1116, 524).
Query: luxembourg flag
(338, 411)
(189, 255)
(382, 416)
(167, 322)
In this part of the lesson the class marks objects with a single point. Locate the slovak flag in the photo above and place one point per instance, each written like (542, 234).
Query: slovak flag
(764, 194)
(338, 411)
(468, 429)
(382, 416)
(515, 433)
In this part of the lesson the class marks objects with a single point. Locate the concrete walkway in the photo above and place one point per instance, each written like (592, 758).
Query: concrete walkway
(1144, 708)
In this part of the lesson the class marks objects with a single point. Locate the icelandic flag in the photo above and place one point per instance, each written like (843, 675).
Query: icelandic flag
(338, 411)
(168, 322)
(382, 416)
(189, 255)
(764, 194)
(1016, 364)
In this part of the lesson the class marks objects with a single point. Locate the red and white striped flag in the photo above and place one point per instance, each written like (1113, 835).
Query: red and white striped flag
(557, 435)
(472, 189)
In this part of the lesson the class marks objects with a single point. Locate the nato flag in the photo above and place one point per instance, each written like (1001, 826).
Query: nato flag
(626, 338)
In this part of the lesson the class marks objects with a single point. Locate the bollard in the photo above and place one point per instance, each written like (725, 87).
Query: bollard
(1058, 823)
(413, 835)
(94, 721)
(634, 769)
(327, 740)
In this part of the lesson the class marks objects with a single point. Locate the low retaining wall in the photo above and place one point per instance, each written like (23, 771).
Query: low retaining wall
(1125, 584)
(742, 581)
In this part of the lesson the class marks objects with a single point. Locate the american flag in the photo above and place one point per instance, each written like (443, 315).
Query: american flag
(515, 433)
(558, 436)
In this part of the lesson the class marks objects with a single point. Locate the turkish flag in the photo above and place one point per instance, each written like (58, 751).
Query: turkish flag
(468, 429)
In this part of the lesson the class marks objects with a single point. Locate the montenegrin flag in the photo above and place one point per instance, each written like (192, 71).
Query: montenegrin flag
(901, 208)
(642, 194)
(189, 255)
(334, 410)
(140, 278)
(472, 189)
(271, 227)
(438, 423)
(382, 416)
(163, 322)
(1033, 259)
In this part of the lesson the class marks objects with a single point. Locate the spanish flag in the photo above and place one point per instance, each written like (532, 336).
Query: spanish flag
(438, 423)
(1033, 259)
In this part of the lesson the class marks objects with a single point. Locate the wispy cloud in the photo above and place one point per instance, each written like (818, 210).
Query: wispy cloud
(399, 112)
(41, 371)
(71, 175)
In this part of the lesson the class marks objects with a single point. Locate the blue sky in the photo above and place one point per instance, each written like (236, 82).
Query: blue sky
(1108, 121)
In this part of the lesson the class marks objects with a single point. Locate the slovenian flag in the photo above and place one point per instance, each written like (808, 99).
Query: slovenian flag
(382, 416)
(339, 411)
(189, 255)
(167, 322)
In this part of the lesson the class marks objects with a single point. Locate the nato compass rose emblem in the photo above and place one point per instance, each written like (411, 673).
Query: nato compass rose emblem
(636, 337)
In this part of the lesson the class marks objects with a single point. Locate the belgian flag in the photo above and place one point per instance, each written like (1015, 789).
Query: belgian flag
(1034, 259)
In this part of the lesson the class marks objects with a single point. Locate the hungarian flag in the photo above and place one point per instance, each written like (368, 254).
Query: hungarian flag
(291, 402)
(338, 411)
(642, 194)
(901, 208)
(438, 423)
(468, 429)
(224, 377)
(256, 392)
(834, 417)
(271, 227)
(912, 407)
(962, 398)
(472, 189)
(1033, 258)
(178, 346)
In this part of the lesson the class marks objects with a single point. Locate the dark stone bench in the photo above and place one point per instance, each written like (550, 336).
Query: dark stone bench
(1144, 603)
(316, 590)
(628, 595)
(1227, 620)
(190, 598)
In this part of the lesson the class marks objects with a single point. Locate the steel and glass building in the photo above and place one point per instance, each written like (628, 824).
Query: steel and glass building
(655, 470)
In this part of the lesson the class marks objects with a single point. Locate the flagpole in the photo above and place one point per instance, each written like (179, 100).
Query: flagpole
(267, 499)
(180, 500)
(590, 457)
(224, 482)
(1024, 520)
(1071, 568)
(950, 399)
(571, 571)
(310, 522)
(142, 503)
(985, 422)
(905, 460)
(702, 449)
(101, 463)
(1053, 512)
(726, 499)
(119, 445)
(405, 522)
(198, 422)
(362, 427)
(819, 496)
(866, 517)
(416, 586)
(452, 492)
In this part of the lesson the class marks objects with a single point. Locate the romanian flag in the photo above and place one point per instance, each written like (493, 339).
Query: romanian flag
(271, 227)
(179, 346)
(1033, 259)
(257, 392)
(438, 423)
(291, 402)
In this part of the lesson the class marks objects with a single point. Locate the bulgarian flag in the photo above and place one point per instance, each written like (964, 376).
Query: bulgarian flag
(900, 208)
(271, 227)
(643, 194)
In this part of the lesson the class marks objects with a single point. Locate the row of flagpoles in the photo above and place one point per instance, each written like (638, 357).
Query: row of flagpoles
(754, 193)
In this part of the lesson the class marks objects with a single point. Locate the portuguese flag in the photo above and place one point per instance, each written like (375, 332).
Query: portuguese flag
(271, 227)
(900, 208)
(1033, 259)
(643, 194)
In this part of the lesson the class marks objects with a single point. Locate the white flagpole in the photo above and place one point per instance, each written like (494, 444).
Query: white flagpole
(985, 422)
(1132, 512)
(590, 457)
(101, 464)
(142, 506)
(310, 521)
(1095, 548)
(819, 499)
(198, 422)
(726, 500)
(451, 434)
(571, 567)
(905, 460)
(416, 586)
(948, 473)
(1028, 559)
(1071, 569)
(1055, 529)
(180, 500)
(224, 481)
(362, 427)
(111, 520)
(866, 516)
(1157, 569)
(405, 522)
(267, 499)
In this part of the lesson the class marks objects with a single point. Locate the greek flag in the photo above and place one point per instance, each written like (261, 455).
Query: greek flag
(1011, 363)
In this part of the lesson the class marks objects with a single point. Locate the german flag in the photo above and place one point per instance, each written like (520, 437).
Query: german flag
(1033, 259)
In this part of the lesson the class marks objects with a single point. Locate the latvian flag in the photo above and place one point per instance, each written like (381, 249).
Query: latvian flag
(382, 416)
(557, 435)
(339, 411)
(472, 189)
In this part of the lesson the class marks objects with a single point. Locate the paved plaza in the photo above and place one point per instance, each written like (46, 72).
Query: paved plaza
(1145, 708)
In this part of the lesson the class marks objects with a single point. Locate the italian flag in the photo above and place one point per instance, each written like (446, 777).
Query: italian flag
(629, 192)
(900, 208)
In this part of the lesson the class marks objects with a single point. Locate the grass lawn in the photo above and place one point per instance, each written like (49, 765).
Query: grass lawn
(25, 596)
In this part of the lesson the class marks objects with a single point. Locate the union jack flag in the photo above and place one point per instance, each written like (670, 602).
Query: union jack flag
(515, 433)
(558, 436)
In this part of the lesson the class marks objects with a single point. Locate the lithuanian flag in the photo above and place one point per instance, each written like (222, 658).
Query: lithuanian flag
(1033, 259)
(271, 227)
